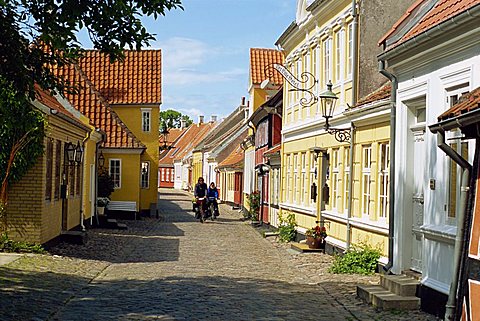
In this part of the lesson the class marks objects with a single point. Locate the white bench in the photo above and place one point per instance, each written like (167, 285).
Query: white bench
(127, 206)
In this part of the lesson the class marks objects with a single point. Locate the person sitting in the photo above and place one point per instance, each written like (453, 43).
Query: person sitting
(212, 195)
(201, 191)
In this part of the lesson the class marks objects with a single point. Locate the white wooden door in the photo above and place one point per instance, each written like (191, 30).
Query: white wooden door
(418, 198)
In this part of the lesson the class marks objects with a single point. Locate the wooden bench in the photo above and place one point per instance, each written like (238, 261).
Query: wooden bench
(127, 206)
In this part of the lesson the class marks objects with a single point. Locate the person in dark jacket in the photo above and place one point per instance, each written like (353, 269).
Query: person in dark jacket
(212, 194)
(200, 191)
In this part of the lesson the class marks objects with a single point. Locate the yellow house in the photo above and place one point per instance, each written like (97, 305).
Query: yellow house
(47, 201)
(261, 60)
(123, 101)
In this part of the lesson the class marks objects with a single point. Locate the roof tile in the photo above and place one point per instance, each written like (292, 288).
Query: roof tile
(261, 58)
(468, 102)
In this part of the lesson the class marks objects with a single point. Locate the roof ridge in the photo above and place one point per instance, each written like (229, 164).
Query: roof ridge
(106, 105)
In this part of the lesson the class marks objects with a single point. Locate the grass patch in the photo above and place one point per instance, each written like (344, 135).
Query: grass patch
(10, 246)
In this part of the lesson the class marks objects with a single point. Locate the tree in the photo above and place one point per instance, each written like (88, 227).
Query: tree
(37, 35)
(173, 119)
(22, 131)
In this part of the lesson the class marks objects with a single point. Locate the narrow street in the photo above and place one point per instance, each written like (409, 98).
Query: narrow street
(175, 268)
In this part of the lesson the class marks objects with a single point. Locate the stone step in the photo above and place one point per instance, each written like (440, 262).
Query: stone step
(303, 247)
(74, 237)
(366, 292)
(390, 301)
(400, 284)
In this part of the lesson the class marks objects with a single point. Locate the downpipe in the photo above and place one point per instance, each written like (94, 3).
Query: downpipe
(459, 238)
(391, 191)
(82, 212)
(350, 186)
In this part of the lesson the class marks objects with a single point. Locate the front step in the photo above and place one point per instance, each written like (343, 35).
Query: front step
(394, 292)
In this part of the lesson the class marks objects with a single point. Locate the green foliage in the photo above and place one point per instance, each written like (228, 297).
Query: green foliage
(111, 25)
(105, 184)
(10, 246)
(287, 230)
(173, 119)
(360, 259)
(18, 118)
(254, 200)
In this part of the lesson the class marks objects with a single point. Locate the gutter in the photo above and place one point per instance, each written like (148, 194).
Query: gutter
(354, 53)
(469, 15)
(459, 239)
(82, 212)
(391, 191)
(350, 186)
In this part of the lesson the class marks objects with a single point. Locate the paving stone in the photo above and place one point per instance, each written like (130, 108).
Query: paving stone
(175, 268)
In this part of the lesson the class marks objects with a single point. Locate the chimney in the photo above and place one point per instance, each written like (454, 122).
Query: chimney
(243, 101)
(214, 118)
(200, 119)
(183, 123)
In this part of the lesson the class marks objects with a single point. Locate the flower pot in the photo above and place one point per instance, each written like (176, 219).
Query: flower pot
(315, 242)
(100, 210)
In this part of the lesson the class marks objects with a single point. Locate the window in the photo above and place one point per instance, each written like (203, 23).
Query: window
(49, 167)
(346, 180)
(303, 179)
(334, 178)
(289, 178)
(326, 61)
(115, 170)
(146, 121)
(383, 179)
(338, 55)
(145, 175)
(313, 177)
(58, 164)
(295, 179)
(366, 178)
(276, 186)
(79, 179)
(350, 50)
(163, 175)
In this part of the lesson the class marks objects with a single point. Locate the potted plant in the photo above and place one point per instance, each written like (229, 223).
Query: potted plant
(102, 202)
(316, 237)
(105, 189)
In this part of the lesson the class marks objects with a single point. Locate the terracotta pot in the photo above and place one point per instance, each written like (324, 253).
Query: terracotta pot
(315, 243)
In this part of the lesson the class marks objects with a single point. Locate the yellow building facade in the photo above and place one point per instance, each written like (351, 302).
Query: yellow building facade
(323, 182)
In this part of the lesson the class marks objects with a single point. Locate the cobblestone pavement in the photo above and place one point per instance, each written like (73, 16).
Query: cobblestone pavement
(175, 268)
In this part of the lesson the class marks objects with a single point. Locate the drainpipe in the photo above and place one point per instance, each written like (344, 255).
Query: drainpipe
(459, 238)
(350, 186)
(354, 52)
(97, 146)
(391, 191)
(82, 212)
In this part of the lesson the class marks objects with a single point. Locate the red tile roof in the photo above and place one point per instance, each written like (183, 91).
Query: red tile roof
(441, 12)
(135, 80)
(468, 102)
(381, 93)
(259, 59)
(93, 105)
(50, 101)
(272, 150)
(186, 142)
(234, 160)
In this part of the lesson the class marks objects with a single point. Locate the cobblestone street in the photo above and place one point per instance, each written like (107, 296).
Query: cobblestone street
(175, 268)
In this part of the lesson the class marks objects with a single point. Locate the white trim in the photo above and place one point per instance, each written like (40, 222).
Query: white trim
(436, 285)
(146, 111)
(148, 174)
(300, 209)
(457, 77)
(135, 151)
(120, 171)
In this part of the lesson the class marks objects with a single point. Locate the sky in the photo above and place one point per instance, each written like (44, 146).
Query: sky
(205, 51)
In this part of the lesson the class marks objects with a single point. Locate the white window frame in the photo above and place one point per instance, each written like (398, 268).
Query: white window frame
(303, 178)
(146, 119)
(117, 185)
(338, 55)
(383, 180)
(145, 183)
(327, 61)
(366, 179)
(313, 178)
(335, 170)
(346, 178)
(295, 179)
(350, 50)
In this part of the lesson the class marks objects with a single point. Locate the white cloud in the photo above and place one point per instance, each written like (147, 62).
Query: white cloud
(191, 76)
(183, 52)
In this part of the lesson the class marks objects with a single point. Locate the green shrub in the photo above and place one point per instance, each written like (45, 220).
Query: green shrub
(10, 246)
(360, 259)
(287, 230)
(254, 200)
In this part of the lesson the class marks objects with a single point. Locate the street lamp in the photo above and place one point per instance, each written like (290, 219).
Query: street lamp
(78, 153)
(328, 99)
(164, 133)
(101, 160)
(70, 151)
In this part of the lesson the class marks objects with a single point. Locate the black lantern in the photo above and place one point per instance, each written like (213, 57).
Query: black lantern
(101, 160)
(328, 99)
(70, 151)
(78, 153)
(164, 138)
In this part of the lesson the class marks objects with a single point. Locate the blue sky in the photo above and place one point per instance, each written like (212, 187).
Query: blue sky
(205, 50)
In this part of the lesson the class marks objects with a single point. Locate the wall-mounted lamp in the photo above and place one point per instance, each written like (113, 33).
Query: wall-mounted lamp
(165, 145)
(74, 153)
(101, 160)
(328, 99)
